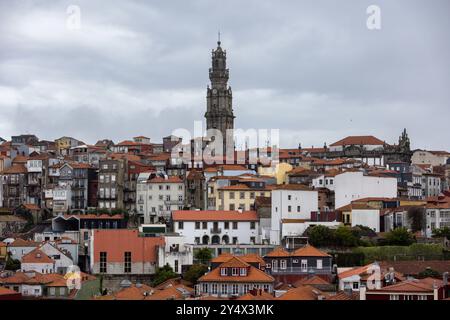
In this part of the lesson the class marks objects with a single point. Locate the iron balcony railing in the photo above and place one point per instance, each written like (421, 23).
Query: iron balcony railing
(298, 270)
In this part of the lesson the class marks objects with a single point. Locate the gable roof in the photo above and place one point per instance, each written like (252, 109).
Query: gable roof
(302, 293)
(36, 256)
(253, 274)
(211, 215)
(309, 251)
(358, 140)
(314, 280)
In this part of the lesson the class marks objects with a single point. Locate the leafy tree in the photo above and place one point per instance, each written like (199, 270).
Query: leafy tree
(345, 237)
(400, 237)
(441, 233)
(195, 272)
(163, 274)
(320, 236)
(428, 272)
(416, 216)
(12, 264)
(364, 231)
(203, 255)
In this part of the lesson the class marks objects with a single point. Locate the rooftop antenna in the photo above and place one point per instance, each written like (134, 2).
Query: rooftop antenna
(218, 38)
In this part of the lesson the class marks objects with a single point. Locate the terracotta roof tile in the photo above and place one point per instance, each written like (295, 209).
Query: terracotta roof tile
(36, 256)
(211, 215)
(302, 293)
(358, 140)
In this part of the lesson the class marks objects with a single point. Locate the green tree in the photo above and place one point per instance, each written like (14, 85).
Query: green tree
(428, 272)
(163, 274)
(320, 236)
(195, 272)
(12, 264)
(345, 237)
(400, 237)
(203, 255)
(441, 233)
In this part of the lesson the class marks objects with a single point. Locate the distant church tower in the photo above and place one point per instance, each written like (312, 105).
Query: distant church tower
(219, 112)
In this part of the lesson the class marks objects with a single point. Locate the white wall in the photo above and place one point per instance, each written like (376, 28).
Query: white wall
(351, 186)
(184, 255)
(308, 200)
(243, 231)
(366, 217)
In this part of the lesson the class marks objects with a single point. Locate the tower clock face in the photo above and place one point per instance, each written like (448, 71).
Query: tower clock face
(214, 91)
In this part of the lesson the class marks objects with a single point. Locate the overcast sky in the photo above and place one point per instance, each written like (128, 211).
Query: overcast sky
(309, 68)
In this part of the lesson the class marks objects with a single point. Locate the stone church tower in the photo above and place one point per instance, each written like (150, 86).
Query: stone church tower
(219, 112)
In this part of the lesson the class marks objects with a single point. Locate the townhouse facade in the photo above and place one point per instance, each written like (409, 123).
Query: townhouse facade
(217, 227)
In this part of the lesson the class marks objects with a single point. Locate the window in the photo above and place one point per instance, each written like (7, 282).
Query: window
(283, 264)
(231, 195)
(319, 263)
(160, 187)
(235, 240)
(304, 265)
(197, 240)
(103, 261)
(205, 288)
(226, 225)
(161, 197)
(235, 289)
(252, 240)
(234, 271)
(197, 224)
(180, 225)
(252, 225)
(180, 197)
(252, 195)
(246, 288)
(298, 208)
(223, 272)
(224, 289)
(127, 267)
(168, 187)
(204, 225)
(168, 197)
(214, 288)
(394, 297)
(241, 195)
(289, 208)
(176, 266)
(355, 285)
(241, 206)
(243, 272)
(235, 225)
(232, 208)
(180, 187)
(289, 197)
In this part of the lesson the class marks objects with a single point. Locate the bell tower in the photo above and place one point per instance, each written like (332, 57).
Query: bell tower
(219, 112)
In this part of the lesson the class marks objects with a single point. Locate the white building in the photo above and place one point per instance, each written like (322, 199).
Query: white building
(157, 197)
(62, 259)
(350, 186)
(175, 252)
(293, 202)
(37, 261)
(434, 158)
(368, 217)
(324, 181)
(437, 217)
(217, 227)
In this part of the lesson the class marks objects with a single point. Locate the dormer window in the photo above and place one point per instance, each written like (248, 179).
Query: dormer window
(234, 272)
(223, 272)
(243, 272)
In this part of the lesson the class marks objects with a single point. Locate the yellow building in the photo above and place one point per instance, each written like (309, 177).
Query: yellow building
(63, 144)
(239, 196)
(3, 251)
(279, 172)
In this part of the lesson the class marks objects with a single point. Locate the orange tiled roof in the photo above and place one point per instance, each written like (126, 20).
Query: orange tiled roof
(6, 291)
(278, 252)
(134, 292)
(15, 169)
(309, 251)
(253, 274)
(358, 140)
(415, 285)
(257, 295)
(171, 179)
(36, 256)
(302, 293)
(354, 271)
(314, 280)
(23, 243)
(211, 215)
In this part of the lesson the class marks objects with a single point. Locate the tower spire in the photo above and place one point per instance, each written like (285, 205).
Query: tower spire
(218, 38)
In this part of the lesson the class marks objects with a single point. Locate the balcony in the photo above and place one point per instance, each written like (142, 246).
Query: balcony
(298, 270)
(173, 202)
(215, 230)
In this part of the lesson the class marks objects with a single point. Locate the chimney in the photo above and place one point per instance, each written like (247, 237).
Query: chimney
(362, 293)
(445, 278)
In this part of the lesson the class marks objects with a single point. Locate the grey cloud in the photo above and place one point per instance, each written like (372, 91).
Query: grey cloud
(310, 68)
